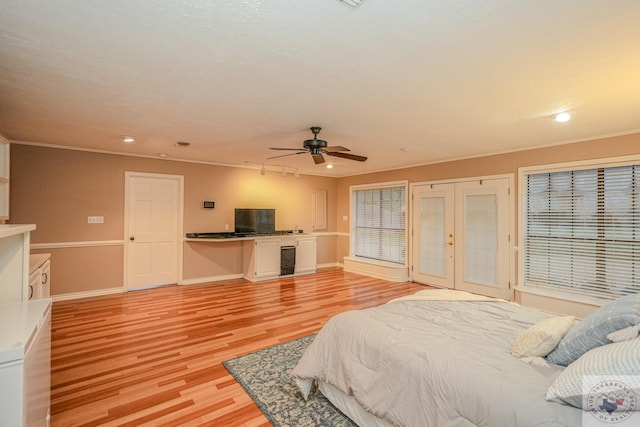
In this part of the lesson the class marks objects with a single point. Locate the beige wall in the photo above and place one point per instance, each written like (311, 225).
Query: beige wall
(490, 165)
(485, 166)
(57, 189)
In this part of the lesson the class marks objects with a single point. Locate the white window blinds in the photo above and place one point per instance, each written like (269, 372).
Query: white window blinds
(378, 226)
(582, 230)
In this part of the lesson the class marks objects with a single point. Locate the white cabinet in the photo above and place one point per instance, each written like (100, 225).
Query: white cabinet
(4, 178)
(14, 262)
(306, 257)
(262, 258)
(319, 209)
(39, 276)
(25, 357)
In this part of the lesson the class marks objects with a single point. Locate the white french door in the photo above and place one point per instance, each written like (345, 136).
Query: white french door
(460, 236)
(433, 231)
(153, 229)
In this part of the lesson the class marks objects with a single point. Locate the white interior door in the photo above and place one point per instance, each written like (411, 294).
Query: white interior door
(433, 231)
(153, 224)
(482, 237)
(460, 236)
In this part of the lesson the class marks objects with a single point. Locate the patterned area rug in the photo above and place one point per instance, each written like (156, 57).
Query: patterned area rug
(265, 376)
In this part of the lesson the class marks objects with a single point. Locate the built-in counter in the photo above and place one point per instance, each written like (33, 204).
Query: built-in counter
(263, 255)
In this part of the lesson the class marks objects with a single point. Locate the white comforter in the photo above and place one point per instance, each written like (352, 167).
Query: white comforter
(435, 363)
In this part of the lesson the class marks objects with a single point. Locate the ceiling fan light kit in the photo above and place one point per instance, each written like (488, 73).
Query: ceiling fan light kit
(317, 147)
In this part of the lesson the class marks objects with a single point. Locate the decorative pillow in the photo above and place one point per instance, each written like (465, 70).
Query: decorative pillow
(541, 338)
(614, 365)
(593, 330)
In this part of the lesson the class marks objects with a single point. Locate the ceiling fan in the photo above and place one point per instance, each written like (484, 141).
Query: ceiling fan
(317, 147)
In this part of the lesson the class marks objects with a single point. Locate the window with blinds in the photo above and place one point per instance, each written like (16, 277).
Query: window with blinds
(582, 230)
(379, 223)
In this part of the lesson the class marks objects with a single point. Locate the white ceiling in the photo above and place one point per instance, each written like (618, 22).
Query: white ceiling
(402, 82)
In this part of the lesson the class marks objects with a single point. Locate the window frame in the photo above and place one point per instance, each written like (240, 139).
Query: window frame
(352, 225)
(523, 172)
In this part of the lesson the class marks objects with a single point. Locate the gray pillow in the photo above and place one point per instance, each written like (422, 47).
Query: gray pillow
(593, 330)
(613, 362)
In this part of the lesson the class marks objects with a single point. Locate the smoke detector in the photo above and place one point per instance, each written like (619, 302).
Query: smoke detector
(353, 4)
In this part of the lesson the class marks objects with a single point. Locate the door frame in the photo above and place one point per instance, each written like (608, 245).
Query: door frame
(512, 248)
(128, 175)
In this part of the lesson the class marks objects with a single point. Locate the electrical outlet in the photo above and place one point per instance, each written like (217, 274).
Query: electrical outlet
(345, 218)
(95, 220)
(226, 227)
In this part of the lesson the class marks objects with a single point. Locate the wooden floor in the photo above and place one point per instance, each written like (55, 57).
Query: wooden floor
(153, 357)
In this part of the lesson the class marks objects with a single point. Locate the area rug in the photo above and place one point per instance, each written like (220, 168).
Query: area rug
(265, 375)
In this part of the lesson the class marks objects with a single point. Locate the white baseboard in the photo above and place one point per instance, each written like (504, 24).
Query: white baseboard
(86, 294)
(330, 264)
(185, 282)
(200, 280)
(377, 270)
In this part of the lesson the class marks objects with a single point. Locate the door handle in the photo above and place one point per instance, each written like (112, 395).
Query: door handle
(132, 238)
(450, 243)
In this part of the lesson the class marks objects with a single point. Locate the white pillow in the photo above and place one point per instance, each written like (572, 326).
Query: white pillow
(539, 339)
(612, 363)
(625, 334)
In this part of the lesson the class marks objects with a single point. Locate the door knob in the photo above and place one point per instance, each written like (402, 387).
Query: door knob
(132, 238)
(450, 243)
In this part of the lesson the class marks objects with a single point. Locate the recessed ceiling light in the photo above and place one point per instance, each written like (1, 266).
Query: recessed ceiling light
(329, 166)
(127, 138)
(562, 117)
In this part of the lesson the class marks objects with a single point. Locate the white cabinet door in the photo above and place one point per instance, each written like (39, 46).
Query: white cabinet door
(306, 255)
(34, 285)
(45, 282)
(267, 258)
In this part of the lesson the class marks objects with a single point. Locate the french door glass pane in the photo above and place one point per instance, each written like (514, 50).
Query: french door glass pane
(432, 236)
(481, 239)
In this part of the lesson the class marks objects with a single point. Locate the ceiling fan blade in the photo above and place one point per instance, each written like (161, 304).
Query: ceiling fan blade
(288, 149)
(335, 148)
(317, 158)
(286, 155)
(348, 156)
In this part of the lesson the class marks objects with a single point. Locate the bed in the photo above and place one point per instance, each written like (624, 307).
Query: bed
(435, 359)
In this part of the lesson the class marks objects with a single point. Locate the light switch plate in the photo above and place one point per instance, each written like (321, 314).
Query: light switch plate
(95, 220)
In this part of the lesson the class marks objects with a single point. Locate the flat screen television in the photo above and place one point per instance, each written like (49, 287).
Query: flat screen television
(255, 221)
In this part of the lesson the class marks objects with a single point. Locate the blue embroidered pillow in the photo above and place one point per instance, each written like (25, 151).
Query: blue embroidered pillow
(593, 330)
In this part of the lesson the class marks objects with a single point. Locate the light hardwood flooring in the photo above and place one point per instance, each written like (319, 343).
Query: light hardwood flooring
(153, 357)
